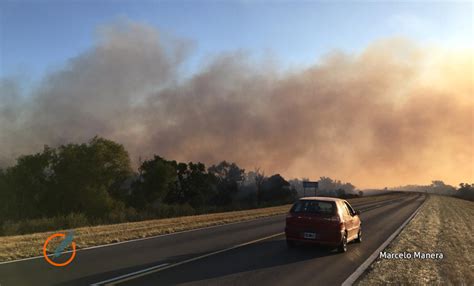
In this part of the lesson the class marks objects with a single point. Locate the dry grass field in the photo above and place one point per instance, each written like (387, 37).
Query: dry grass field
(444, 224)
(28, 245)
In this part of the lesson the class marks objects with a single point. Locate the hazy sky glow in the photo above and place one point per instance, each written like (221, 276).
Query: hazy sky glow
(376, 94)
(37, 36)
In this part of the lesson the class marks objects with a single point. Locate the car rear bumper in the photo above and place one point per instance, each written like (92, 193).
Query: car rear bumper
(327, 238)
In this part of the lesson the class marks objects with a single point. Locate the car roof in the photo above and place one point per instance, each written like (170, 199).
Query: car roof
(327, 199)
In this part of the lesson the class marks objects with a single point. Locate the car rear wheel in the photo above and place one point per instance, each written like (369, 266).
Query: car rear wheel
(359, 236)
(343, 246)
(290, 243)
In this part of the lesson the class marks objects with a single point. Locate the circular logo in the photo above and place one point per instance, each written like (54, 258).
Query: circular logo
(73, 244)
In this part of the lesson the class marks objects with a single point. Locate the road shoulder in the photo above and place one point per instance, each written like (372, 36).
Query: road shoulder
(433, 248)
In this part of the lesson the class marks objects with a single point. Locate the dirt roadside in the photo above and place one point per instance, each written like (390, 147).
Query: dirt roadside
(444, 225)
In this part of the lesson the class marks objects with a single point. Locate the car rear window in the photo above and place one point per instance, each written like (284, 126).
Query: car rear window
(314, 207)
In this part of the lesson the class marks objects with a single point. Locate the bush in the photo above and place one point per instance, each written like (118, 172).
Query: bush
(165, 210)
(69, 221)
(466, 192)
(121, 214)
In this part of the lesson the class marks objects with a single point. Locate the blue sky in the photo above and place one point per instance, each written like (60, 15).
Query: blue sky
(39, 36)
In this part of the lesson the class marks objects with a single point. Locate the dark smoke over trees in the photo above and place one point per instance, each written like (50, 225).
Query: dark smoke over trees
(391, 114)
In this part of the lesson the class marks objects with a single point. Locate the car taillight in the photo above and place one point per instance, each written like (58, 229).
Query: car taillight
(341, 225)
(337, 221)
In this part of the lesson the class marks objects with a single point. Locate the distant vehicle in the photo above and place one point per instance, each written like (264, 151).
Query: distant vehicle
(323, 221)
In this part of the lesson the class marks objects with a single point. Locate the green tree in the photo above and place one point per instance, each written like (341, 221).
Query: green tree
(73, 178)
(466, 191)
(157, 177)
(89, 176)
(4, 200)
(26, 187)
(200, 185)
(276, 189)
(228, 176)
(195, 186)
(340, 193)
(259, 181)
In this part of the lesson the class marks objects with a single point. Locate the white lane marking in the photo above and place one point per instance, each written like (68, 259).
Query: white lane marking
(152, 237)
(139, 274)
(127, 275)
(142, 273)
(146, 238)
(361, 269)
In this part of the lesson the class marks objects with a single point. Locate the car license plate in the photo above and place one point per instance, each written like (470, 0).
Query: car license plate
(309, 235)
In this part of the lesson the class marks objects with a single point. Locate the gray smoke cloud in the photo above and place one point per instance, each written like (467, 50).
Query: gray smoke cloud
(392, 114)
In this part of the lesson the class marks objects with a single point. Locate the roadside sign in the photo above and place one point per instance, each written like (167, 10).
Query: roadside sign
(309, 184)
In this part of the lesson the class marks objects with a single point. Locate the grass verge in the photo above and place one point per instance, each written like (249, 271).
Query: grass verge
(29, 245)
(444, 224)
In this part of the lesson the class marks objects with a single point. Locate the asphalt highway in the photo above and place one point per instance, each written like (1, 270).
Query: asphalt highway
(246, 253)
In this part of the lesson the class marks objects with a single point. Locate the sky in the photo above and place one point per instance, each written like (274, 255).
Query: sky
(38, 36)
(375, 93)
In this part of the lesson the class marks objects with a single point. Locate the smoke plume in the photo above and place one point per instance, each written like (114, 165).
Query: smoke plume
(393, 114)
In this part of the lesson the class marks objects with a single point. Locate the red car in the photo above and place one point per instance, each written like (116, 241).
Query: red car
(324, 221)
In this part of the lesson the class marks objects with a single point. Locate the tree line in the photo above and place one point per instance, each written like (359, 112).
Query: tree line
(95, 181)
(464, 191)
